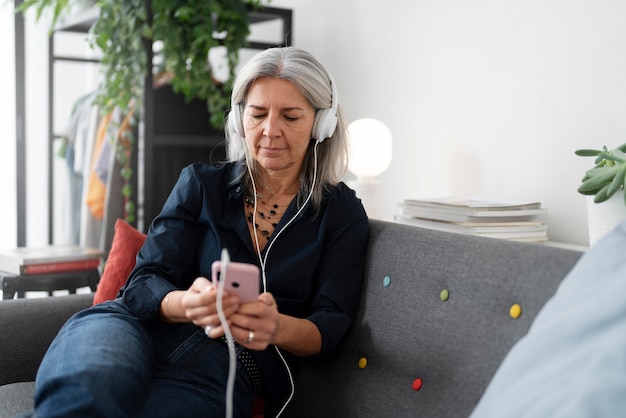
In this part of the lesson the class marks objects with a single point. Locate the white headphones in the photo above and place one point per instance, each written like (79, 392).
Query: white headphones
(325, 119)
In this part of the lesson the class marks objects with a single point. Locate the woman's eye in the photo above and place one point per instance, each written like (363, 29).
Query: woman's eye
(258, 116)
(291, 118)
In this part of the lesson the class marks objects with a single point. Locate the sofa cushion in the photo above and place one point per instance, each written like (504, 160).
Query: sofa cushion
(27, 327)
(126, 244)
(15, 398)
(572, 361)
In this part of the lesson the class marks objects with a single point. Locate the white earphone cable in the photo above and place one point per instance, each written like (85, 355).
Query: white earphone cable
(232, 355)
(263, 260)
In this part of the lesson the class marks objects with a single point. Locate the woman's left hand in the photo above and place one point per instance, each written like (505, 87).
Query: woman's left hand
(255, 324)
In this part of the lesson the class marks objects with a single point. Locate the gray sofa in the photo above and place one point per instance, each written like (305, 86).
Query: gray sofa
(413, 352)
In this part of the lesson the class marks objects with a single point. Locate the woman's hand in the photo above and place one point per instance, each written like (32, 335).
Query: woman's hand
(255, 324)
(198, 304)
(258, 324)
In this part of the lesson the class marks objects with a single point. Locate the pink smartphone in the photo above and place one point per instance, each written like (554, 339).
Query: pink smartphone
(242, 279)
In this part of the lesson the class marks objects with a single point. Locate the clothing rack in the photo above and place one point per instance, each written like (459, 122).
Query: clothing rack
(80, 23)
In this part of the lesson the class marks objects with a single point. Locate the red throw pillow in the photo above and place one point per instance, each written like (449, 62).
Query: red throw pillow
(126, 244)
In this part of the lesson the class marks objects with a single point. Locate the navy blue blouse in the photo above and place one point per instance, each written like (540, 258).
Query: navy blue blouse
(314, 269)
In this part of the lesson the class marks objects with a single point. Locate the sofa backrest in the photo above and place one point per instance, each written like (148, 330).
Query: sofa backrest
(411, 351)
(27, 327)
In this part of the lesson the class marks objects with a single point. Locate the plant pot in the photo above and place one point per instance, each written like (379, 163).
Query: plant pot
(603, 217)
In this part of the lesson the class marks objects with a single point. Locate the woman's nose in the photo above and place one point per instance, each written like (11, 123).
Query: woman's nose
(271, 126)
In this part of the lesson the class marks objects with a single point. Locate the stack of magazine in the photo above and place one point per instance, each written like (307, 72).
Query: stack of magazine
(512, 220)
(26, 261)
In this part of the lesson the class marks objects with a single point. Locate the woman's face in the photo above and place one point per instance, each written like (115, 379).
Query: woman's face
(277, 121)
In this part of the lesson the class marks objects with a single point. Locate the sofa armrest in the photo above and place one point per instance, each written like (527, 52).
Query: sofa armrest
(27, 327)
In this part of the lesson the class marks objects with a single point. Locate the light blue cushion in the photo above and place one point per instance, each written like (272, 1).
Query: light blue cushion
(572, 361)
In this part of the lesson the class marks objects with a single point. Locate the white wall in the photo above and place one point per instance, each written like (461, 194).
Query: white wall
(486, 98)
(36, 54)
(8, 186)
(483, 97)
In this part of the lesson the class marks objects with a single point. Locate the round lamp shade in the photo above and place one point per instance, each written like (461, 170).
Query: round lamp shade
(370, 147)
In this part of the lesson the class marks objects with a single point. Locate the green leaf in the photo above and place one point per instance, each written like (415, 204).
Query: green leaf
(598, 178)
(596, 171)
(618, 181)
(614, 155)
(587, 152)
(602, 195)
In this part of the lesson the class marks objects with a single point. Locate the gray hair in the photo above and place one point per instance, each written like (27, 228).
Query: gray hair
(314, 81)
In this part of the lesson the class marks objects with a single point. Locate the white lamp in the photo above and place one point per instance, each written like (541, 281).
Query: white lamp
(370, 155)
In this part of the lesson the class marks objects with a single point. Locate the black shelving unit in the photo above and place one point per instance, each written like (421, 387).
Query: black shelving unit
(20, 125)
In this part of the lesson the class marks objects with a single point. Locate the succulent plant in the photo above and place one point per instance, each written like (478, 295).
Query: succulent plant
(607, 176)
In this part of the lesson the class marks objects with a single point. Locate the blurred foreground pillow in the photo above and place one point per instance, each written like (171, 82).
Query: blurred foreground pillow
(572, 361)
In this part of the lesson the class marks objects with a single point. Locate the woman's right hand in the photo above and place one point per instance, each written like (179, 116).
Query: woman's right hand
(198, 305)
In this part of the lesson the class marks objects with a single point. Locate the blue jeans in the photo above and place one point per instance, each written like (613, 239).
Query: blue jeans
(106, 363)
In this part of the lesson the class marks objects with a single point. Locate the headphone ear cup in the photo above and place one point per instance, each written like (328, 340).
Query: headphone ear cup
(325, 124)
(235, 120)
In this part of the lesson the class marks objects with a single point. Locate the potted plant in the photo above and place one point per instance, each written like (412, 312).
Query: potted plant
(608, 174)
(604, 182)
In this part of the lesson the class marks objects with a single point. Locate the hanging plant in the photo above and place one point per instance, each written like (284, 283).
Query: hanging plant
(187, 31)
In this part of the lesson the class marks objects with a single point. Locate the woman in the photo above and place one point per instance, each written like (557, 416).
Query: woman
(159, 348)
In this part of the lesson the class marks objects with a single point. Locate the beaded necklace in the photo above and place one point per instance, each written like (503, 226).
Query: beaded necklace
(267, 217)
